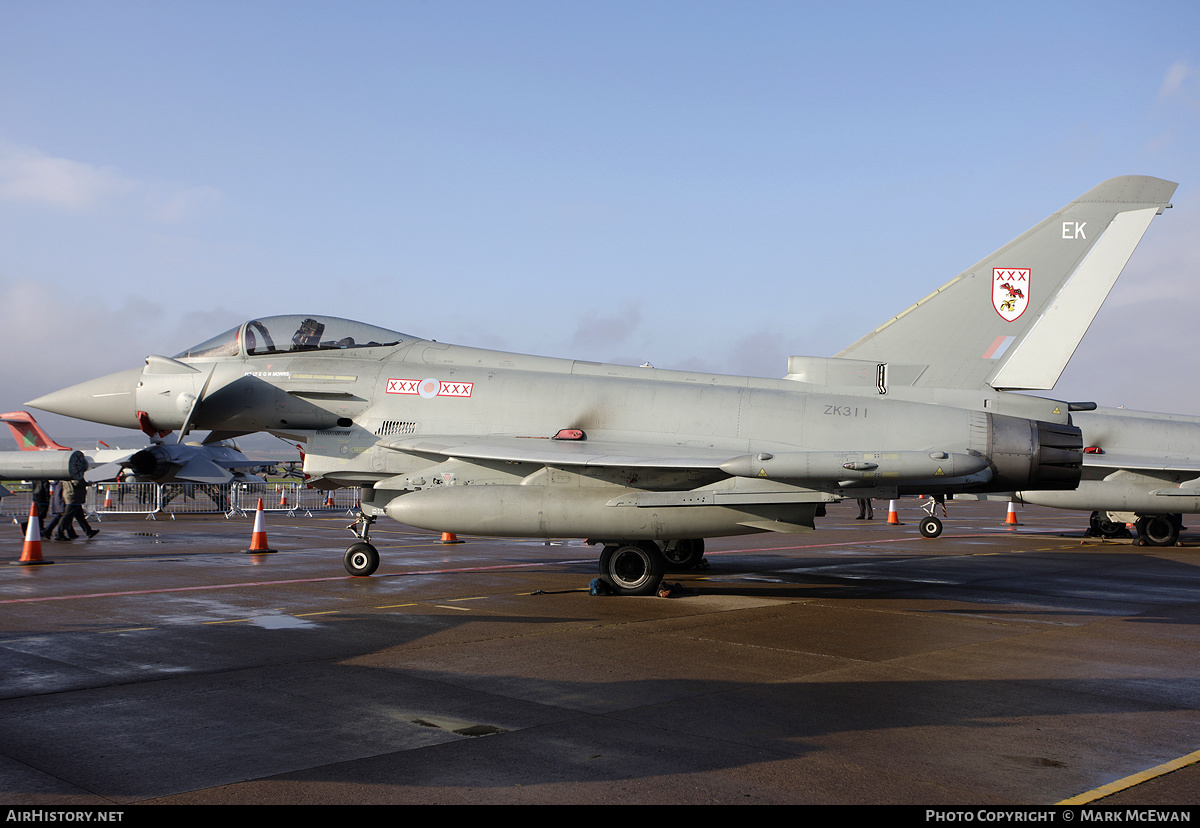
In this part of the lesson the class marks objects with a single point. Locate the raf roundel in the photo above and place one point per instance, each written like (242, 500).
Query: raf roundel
(430, 387)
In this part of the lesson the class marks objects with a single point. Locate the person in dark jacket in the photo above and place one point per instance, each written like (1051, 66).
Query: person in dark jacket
(40, 494)
(74, 496)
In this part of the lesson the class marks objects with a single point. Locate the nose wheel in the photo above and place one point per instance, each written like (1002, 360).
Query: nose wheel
(931, 526)
(361, 559)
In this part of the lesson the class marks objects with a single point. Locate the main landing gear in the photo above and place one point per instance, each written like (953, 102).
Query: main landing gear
(1158, 530)
(637, 567)
(632, 568)
(1152, 530)
(1101, 525)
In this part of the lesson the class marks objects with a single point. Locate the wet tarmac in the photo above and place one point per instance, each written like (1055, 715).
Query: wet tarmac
(862, 663)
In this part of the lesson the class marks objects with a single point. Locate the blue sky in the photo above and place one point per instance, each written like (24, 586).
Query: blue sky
(703, 185)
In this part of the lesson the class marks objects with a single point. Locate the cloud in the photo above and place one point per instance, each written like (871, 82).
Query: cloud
(29, 176)
(1182, 82)
(60, 337)
(612, 330)
(179, 205)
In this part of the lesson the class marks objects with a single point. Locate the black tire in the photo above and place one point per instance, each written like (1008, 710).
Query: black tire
(931, 526)
(632, 568)
(1158, 530)
(1102, 526)
(361, 559)
(1112, 529)
(684, 554)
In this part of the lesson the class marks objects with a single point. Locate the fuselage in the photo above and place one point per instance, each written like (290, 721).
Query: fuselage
(690, 446)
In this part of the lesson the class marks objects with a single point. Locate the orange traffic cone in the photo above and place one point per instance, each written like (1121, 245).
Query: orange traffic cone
(31, 550)
(108, 504)
(450, 537)
(282, 498)
(329, 500)
(1011, 518)
(258, 540)
(893, 515)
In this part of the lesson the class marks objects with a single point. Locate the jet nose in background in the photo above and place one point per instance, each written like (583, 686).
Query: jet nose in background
(110, 400)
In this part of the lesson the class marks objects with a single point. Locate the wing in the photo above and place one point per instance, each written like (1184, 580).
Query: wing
(584, 453)
(824, 470)
(1142, 462)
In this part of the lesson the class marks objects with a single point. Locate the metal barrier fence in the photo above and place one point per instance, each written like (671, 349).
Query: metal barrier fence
(230, 499)
(294, 497)
(123, 498)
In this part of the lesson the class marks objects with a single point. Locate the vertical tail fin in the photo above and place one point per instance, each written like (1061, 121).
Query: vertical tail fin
(28, 433)
(1014, 319)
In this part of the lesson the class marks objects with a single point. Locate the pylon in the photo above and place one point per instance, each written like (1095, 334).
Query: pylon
(450, 537)
(329, 500)
(31, 550)
(258, 540)
(1010, 519)
(108, 504)
(282, 497)
(893, 515)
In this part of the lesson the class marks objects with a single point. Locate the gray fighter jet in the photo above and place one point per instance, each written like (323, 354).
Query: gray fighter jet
(41, 458)
(649, 462)
(1138, 467)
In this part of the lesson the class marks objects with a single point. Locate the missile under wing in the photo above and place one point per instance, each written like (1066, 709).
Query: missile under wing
(646, 462)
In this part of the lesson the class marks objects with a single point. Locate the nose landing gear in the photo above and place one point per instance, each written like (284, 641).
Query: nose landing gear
(361, 559)
(931, 525)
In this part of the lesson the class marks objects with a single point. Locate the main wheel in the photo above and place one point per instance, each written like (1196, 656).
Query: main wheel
(931, 526)
(632, 568)
(1107, 527)
(684, 554)
(361, 559)
(1158, 530)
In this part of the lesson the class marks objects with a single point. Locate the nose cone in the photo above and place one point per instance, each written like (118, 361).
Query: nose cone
(110, 400)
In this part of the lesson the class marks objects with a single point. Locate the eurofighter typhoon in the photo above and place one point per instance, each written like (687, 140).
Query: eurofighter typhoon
(649, 462)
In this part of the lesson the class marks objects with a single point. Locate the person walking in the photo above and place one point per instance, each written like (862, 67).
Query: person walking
(74, 496)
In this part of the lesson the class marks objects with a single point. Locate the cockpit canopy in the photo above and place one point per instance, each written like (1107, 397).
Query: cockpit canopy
(293, 334)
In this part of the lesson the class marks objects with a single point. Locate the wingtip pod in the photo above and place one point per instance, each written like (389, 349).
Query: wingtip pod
(1013, 320)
